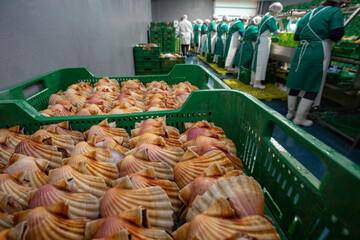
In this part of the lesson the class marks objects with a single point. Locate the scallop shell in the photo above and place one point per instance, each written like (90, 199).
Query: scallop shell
(224, 143)
(15, 233)
(244, 193)
(63, 128)
(202, 183)
(149, 138)
(105, 128)
(81, 205)
(124, 197)
(155, 122)
(127, 223)
(76, 99)
(160, 131)
(33, 169)
(195, 132)
(50, 222)
(6, 221)
(59, 110)
(62, 142)
(5, 154)
(168, 155)
(201, 150)
(193, 165)
(219, 222)
(102, 154)
(83, 112)
(146, 178)
(55, 98)
(88, 165)
(12, 185)
(35, 148)
(81, 182)
(133, 164)
(112, 143)
(12, 136)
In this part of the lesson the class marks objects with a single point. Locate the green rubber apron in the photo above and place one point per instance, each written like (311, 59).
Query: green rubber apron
(242, 43)
(326, 47)
(261, 56)
(203, 45)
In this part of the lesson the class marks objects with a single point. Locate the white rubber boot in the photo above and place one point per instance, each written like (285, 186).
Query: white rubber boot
(258, 85)
(292, 100)
(302, 112)
(252, 78)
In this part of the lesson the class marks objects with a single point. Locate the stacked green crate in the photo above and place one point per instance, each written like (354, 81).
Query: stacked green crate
(156, 33)
(168, 37)
(146, 60)
(168, 63)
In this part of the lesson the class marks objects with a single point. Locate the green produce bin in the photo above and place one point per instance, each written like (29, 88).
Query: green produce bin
(349, 124)
(147, 51)
(156, 24)
(301, 206)
(209, 57)
(60, 79)
(166, 70)
(147, 71)
(245, 75)
(147, 63)
(221, 62)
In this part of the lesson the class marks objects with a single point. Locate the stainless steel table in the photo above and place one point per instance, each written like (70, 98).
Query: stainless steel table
(281, 53)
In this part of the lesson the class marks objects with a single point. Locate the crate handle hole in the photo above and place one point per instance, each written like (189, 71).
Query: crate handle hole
(33, 88)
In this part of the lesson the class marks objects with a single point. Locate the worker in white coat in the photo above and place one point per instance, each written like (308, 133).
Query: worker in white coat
(263, 43)
(185, 31)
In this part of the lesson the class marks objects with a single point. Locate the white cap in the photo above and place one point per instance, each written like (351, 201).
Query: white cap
(225, 18)
(256, 20)
(199, 21)
(193, 22)
(206, 21)
(276, 7)
(215, 16)
(244, 17)
(184, 17)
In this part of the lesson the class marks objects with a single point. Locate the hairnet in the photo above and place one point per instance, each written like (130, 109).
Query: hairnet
(184, 17)
(199, 21)
(256, 20)
(276, 7)
(207, 21)
(225, 18)
(215, 16)
(244, 17)
(193, 22)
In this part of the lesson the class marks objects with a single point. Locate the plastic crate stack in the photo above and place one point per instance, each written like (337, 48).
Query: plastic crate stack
(146, 59)
(167, 63)
(168, 37)
(156, 33)
(341, 74)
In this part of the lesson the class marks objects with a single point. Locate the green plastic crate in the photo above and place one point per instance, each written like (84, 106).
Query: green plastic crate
(156, 35)
(301, 206)
(156, 24)
(221, 61)
(148, 63)
(166, 70)
(147, 71)
(167, 62)
(156, 40)
(245, 75)
(169, 35)
(55, 81)
(147, 51)
(348, 124)
(209, 57)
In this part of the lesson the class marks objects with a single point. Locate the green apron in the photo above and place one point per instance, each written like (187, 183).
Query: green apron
(196, 34)
(312, 56)
(204, 32)
(238, 25)
(222, 29)
(246, 48)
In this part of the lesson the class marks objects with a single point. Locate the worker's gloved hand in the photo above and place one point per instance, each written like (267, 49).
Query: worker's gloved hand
(277, 32)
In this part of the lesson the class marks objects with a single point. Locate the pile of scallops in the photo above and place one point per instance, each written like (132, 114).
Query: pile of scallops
(107, 97)
(104, 184)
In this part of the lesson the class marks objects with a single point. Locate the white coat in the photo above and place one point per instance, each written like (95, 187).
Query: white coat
(185, 30)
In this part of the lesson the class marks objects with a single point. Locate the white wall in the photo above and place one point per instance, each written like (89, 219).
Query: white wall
(38, 36)
(235, 8)
(170, 10)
